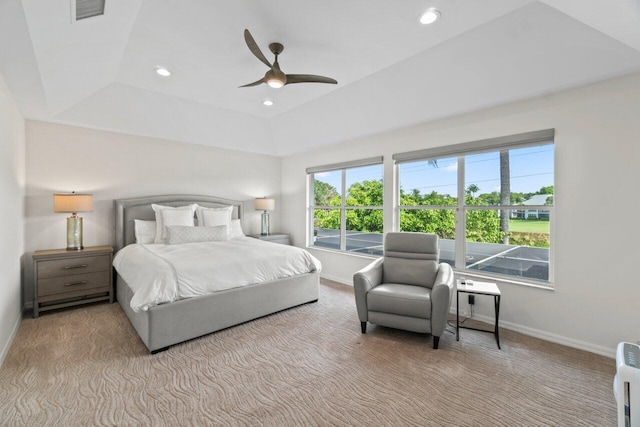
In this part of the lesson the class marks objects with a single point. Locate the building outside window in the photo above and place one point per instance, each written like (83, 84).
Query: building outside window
(345, 206)
(491, 202)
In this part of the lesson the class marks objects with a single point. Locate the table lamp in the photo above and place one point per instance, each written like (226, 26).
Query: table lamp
(73, 203)
(265, 205)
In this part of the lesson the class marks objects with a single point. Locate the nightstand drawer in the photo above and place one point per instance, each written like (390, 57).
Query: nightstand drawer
(73, 266)
(74, 282)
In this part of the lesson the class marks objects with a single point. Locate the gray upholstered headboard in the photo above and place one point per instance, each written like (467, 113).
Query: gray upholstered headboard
(140, 208)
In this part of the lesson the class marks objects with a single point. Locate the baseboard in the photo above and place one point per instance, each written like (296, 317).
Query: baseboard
(7, 345)
(548, 336)
(536, 333)
(335, 279)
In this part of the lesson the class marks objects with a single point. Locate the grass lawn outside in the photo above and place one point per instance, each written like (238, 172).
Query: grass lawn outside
(529, 226)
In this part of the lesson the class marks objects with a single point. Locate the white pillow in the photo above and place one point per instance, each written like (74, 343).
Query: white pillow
(145, 231)
(211, 217)
(177, 234)
(236, 228)
(183, 216)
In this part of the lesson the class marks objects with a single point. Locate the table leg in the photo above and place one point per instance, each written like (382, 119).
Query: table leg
(496, 301)
(457, 316)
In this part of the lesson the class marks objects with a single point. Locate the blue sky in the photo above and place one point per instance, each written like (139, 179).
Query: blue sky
(531, 168)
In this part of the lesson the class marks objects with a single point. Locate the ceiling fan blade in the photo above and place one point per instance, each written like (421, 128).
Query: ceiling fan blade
(253, 47)
(309, 78)
(254, 83)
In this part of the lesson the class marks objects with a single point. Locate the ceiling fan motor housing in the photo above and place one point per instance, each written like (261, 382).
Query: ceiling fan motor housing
(275, 75)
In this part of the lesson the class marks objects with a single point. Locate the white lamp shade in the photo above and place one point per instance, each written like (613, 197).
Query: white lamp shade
(265, 204)
(72, 203)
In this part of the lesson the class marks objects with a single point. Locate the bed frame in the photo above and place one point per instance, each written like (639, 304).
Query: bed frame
(168, 324)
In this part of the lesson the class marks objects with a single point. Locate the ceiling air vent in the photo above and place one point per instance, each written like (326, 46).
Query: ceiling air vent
(89, 8)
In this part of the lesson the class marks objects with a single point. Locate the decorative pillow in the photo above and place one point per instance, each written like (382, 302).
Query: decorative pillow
(182, 215)
(236, 228)
(210, 217)
(177, 234)
(145, 231)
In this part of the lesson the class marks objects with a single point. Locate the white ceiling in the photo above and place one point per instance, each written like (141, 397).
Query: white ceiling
(391, 71)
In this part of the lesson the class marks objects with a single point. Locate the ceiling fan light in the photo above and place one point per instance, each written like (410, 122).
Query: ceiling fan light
(275, 82)
(430, 16)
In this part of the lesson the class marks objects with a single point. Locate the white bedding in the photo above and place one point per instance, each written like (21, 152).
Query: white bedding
(159, 273)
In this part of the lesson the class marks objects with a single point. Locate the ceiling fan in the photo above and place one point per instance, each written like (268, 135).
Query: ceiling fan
(275, 77)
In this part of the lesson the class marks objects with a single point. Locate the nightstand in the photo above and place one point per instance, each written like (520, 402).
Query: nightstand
(281, 238)
(64, 278)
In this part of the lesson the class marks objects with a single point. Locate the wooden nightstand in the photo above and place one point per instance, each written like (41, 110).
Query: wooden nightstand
(281, 238)
(64, 278)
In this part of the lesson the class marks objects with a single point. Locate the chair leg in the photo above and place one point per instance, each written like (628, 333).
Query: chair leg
(436, 340)
(363, 326)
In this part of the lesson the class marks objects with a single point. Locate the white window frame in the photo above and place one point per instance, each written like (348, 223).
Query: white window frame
(311, 207)
(537, 138)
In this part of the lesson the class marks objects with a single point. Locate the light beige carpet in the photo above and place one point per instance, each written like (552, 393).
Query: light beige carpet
(306, 366)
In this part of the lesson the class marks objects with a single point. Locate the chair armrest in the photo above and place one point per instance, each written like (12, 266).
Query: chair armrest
(363, 281)
(441, 295)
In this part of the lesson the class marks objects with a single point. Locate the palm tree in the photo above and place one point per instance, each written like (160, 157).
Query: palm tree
(505, 194)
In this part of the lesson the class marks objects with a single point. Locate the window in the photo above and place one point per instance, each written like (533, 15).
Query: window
(491, 202)
(428, 200)
(346, 206)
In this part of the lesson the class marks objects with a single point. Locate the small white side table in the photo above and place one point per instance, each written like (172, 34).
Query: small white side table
(479, 288)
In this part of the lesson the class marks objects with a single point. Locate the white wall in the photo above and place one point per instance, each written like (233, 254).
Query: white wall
(113, 166)
(595, 241)
(12, 181)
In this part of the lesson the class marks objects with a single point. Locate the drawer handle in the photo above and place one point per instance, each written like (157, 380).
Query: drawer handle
(84, 282)
(69, 267)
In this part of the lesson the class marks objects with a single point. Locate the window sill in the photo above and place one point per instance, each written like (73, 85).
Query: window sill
(458, 273)
(503, 279)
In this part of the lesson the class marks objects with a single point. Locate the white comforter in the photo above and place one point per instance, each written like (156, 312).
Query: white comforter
(158, 273)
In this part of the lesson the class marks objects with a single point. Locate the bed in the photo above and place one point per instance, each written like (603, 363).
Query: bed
(164, 325)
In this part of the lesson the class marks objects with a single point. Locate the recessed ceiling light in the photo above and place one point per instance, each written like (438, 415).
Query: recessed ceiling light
(163, 72)
(267, 102)
(430, 16)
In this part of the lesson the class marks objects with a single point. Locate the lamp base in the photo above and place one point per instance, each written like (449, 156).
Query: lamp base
(74, 233)
(265, 224)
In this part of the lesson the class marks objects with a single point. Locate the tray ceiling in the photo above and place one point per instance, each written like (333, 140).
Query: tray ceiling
(392, 72)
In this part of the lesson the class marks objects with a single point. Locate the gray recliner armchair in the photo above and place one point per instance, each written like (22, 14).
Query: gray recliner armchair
(408, 288)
